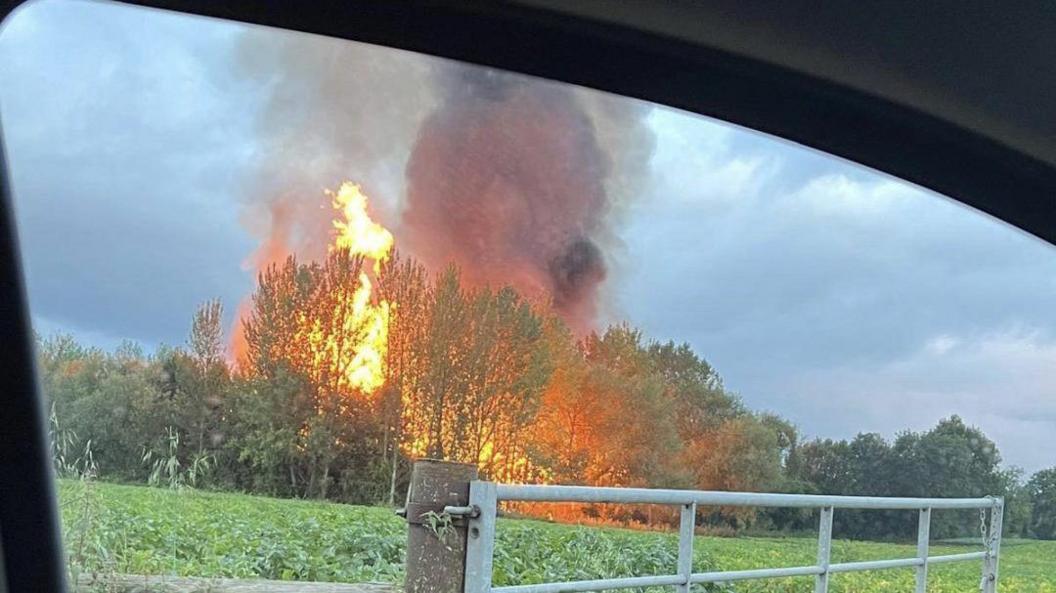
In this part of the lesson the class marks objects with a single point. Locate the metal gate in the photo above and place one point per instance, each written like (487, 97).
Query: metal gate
(484, 498)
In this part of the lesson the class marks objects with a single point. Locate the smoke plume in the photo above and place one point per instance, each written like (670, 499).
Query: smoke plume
(507, 180)
(517, 180)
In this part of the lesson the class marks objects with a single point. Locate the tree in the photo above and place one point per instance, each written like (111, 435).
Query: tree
(262, 418)
(636, 442)
(827, 465)
(481, 376)
(508, 367)
(209, 378)
(1042, 491)
(305, 322)
(431, 415)
(694, 388)
(276, 318)
(207, 335)
(405, 283)
(950, 460)
(564, 429)
(1018, 504)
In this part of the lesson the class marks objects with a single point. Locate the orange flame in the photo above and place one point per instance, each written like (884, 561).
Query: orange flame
(363, 367)
(358, 233)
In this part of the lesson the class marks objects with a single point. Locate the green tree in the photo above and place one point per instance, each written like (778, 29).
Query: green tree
(1042, 491)
(950, 460)
(1018, 505)
(302, 325)
(262, 418)
(209, 379)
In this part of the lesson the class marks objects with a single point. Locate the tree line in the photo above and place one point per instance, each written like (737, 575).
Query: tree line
(951, 459)
(485, 376)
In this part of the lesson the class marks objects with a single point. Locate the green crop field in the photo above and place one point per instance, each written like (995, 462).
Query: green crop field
(131, 529)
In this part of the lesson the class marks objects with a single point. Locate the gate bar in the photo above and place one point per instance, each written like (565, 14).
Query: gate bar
(731, 575)
(553, 493)
(596, 585)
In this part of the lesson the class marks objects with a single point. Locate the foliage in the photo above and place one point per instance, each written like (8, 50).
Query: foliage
(68, 460)
(1019, 506)
(530, 552)
(440, 524)
(193, 533)
(88, 558)
(166, 469)
(950, 460)
(1042, 492)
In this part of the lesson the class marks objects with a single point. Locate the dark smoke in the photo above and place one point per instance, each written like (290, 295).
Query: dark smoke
(575, 272)
(507, 179)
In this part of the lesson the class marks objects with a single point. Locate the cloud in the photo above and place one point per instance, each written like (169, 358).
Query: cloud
(125, 147)
(940, 345)
(807, 266)
(1000, 381)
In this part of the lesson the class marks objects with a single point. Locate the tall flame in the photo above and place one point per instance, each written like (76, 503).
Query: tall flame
(357, 232)
(364, 366)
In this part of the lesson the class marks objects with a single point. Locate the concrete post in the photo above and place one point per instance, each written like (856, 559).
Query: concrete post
(436, 545)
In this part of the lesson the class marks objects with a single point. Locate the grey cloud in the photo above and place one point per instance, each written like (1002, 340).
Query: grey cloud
(777, 274)
(125, 150)
(999, 381)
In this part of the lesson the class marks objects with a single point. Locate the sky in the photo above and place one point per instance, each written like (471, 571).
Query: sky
(840, 298)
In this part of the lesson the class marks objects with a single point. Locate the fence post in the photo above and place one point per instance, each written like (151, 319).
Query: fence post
(923, 539)
(997, 512)
(821, 582)
(436, 542)
(686, 526)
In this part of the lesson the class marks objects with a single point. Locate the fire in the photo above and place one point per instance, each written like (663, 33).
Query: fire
(357, 233)
(339, 342)
(360, 318)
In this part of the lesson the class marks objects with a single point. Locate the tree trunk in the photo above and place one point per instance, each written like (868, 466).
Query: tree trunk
(324, 484)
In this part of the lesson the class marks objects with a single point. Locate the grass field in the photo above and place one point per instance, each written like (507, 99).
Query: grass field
(132, 529)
